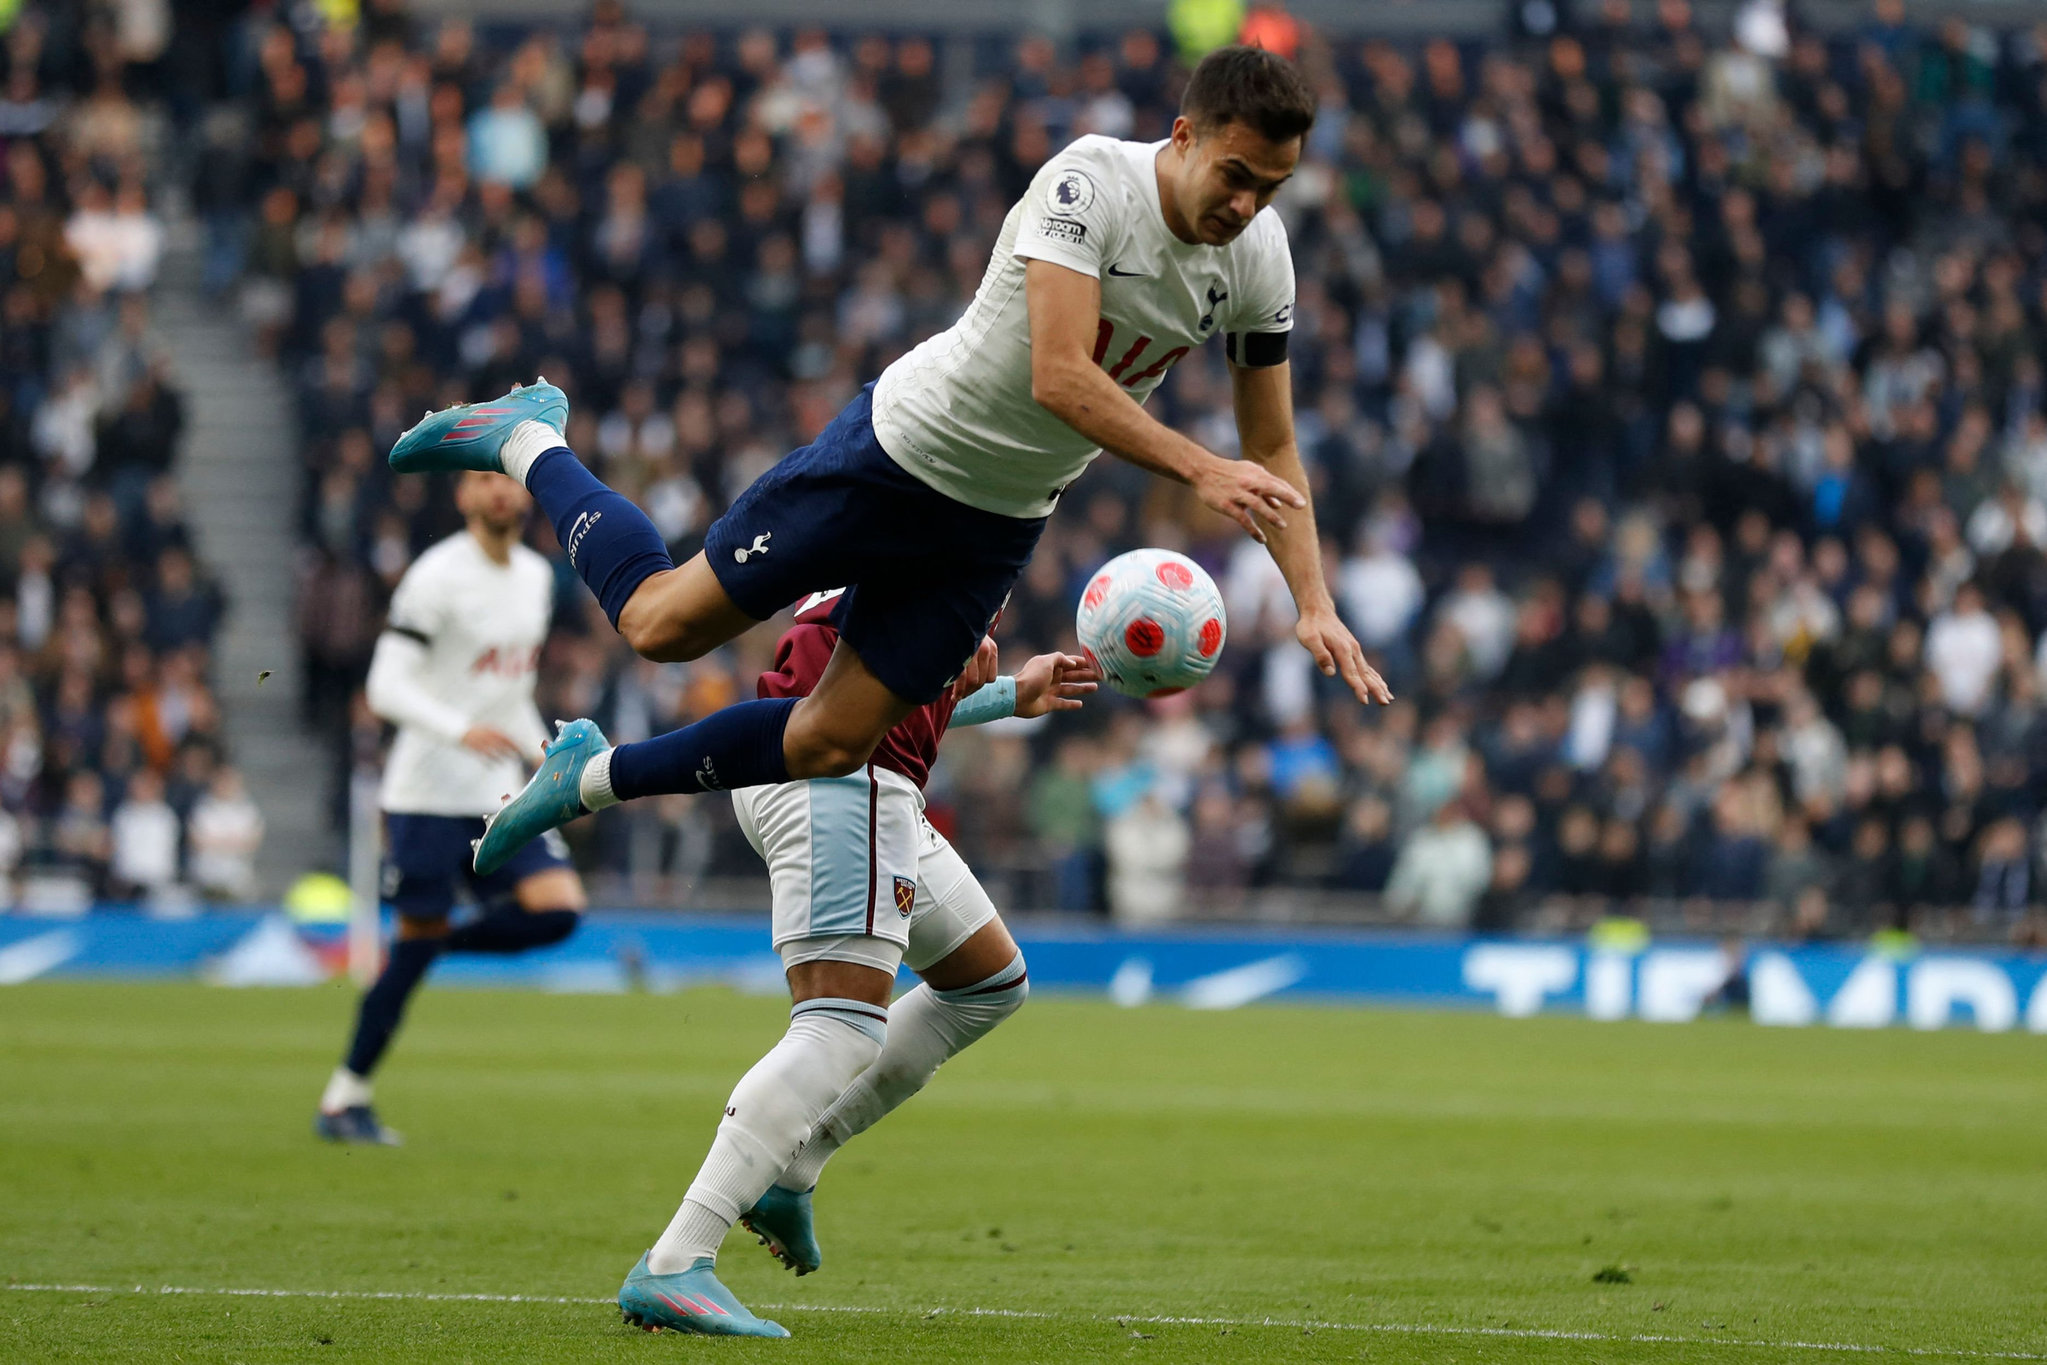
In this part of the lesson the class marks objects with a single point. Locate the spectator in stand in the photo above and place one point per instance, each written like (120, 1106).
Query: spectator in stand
(145, 838)
(1064, 822)
(1443, 870)
(1147, 844)
(1964, 650)
(225, 831)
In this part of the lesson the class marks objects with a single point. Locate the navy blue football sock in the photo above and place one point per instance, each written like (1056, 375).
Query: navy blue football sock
(383, 1004)
(740, 746)
(512, 930)
(609, 541)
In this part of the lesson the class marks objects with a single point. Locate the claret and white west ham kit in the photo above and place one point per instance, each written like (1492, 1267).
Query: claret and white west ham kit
(853, 858)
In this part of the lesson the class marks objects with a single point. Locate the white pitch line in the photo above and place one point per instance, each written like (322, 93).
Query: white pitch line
(1122, 1319)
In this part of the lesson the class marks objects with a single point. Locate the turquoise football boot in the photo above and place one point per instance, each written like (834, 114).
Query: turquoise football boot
(469, 435)
(549, 801)
(781, 1219)
(689, 1301)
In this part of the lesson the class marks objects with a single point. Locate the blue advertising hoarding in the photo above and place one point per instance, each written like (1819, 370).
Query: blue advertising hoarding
(1845, 985)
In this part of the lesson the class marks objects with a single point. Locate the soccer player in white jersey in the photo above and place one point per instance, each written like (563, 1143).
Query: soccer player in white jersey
(454, 671)
(927, 493)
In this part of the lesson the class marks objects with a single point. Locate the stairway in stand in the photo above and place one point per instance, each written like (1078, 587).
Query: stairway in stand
(239, 472)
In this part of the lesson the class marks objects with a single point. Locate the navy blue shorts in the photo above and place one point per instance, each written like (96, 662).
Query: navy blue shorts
(426, 857)
(924, 575)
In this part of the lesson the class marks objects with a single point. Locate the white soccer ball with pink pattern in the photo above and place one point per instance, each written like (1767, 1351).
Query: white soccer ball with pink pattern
(1153, 622)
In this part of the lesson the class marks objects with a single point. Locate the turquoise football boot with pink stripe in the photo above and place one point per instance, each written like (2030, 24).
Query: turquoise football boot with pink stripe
(550, 799)
(469, 435)
(690, 1300)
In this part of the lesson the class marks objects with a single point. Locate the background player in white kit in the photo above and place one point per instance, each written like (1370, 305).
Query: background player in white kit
(454, 671)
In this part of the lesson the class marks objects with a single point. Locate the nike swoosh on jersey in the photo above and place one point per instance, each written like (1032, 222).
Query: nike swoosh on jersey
(1128, 274)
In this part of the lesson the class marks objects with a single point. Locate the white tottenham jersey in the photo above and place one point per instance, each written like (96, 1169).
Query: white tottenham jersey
(461, 649)
(957, 411)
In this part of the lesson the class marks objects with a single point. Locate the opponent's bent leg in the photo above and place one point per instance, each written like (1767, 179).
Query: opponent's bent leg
(546, 907)
(831, 1040)
(926, 1028)
(508, 929)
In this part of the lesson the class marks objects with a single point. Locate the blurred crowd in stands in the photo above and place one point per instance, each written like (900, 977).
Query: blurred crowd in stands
(1674, 400)
(112, 774)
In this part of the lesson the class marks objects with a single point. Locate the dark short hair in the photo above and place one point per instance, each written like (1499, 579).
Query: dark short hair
(1251, 86)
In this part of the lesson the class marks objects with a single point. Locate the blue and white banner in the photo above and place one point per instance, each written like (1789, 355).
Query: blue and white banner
(1848, 986)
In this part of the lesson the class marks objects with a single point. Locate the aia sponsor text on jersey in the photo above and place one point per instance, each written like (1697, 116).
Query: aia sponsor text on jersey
(507, 661)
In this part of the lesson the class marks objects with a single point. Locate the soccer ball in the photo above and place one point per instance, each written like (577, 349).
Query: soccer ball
(1152, 621)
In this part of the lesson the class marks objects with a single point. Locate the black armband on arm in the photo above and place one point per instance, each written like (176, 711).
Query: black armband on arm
(1256, 350)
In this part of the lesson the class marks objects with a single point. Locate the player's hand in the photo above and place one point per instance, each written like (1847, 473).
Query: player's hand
(979, 672)
(1338, 654)
(1054, 682)
(492, 743)
(1247, 493)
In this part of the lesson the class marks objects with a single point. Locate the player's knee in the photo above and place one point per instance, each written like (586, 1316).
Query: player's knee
(659, 636)
(971, 1011)
(552, 926)
(556, 888)
(1021, 991)
(810, 754)
(412, 927)
(1008, 989)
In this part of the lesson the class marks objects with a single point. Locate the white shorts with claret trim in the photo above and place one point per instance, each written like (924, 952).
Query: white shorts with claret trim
(857, 874)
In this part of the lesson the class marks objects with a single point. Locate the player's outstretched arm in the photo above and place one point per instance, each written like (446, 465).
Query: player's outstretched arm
(1066, 307)
(1264, 399)
(1048, 683)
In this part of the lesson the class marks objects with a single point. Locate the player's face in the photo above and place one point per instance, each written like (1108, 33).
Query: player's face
(1227, 174)
(498, 502)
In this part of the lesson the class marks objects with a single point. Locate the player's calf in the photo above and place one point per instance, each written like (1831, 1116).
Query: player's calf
(772, 1110)
(510, 929)
(580, 772)
(926, 1028)
(345, 1112)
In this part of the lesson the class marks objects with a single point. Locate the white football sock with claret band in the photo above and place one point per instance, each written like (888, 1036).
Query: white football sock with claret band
(926, 1028)
(771, 1112)
(527, 443)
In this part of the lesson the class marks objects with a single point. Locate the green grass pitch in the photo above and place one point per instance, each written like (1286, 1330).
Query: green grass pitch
(1311, 1184)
